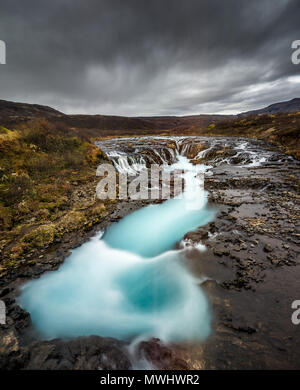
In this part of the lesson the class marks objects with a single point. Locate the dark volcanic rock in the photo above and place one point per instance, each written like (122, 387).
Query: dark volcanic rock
(21, 348)
(251, 258)
(84, 353)
(160, 356)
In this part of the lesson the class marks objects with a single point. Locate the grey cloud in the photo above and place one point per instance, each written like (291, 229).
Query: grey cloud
(141, 57)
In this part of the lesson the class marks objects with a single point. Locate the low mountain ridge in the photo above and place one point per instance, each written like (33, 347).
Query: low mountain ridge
(289, 106)
(14, 114)
(278, 123)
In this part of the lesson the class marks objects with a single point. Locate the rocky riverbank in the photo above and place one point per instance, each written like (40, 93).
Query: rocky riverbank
(20, 347)
(251, 267)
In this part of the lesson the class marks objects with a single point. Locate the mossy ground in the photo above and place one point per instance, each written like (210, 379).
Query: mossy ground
(282, 130)
(47, 188)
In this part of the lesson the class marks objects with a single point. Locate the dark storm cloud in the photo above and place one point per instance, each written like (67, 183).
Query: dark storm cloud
(135, 57)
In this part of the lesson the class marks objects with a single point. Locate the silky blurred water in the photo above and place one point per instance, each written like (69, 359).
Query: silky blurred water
(130, 282)
(156, 228)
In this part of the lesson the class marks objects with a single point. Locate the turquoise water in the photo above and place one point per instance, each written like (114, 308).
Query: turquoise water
(155, 229)
(130, 282)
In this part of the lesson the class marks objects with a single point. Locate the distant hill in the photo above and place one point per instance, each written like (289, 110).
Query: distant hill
(13, 114)
(276, 108)
(16, 110)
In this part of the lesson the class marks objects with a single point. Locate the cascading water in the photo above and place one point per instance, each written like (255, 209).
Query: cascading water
(154, 229)
(108, 292)
(130, 282)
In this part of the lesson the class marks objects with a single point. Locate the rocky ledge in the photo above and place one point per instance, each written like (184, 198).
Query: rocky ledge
(251, 267)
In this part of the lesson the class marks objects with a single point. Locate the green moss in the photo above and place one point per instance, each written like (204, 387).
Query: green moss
(3, 130)
(41, 169)
(72, 221)
(41, 236)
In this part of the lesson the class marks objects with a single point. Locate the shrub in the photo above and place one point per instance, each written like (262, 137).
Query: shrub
(49, 139)
(41, 236)
(13, 189)
(72, 160)
(39, 166)
(3, 130)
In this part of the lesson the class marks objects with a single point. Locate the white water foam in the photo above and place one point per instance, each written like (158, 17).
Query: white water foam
(128, 283)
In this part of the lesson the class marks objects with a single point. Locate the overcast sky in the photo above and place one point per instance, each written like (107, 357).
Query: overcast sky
(150, 57)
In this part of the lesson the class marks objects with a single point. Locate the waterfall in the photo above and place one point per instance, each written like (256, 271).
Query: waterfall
(130, 282)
